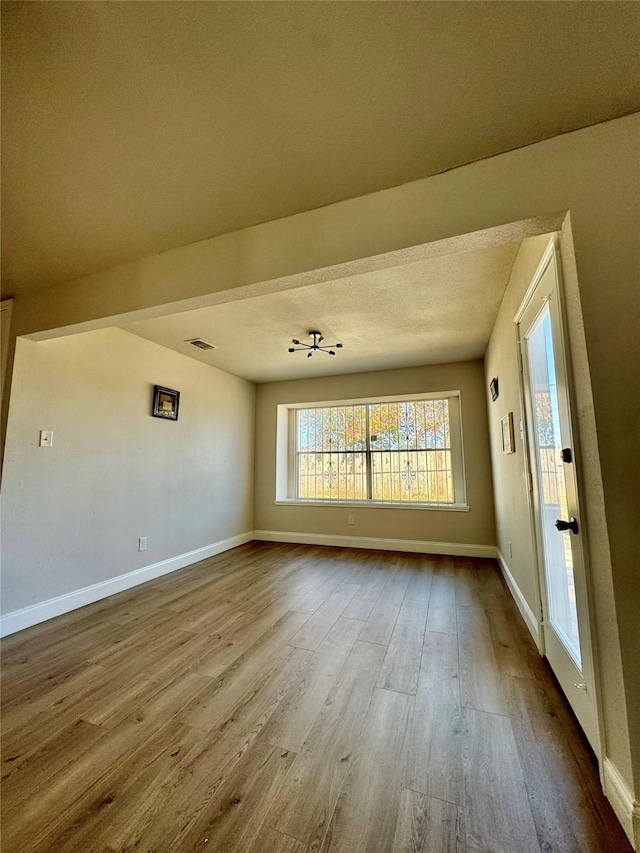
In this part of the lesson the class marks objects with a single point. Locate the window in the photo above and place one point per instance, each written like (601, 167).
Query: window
(404, 451)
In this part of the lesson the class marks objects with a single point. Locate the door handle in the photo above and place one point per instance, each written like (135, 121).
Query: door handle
(571, 525)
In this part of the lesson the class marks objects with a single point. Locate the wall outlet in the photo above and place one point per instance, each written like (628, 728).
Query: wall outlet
(351, 518)
(142, 543)
(46, 438)
(510, 550)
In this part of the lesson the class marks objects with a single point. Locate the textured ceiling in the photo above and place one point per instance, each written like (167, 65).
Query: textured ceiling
(430, 312)
(131, 128)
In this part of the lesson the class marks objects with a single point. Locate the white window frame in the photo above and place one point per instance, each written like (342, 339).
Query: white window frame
(286, 453)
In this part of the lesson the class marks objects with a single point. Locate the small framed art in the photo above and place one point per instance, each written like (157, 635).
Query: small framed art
(508, 444)
(493, 387)
(165, 403)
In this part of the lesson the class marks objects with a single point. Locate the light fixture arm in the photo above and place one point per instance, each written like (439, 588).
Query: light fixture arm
(315, 346)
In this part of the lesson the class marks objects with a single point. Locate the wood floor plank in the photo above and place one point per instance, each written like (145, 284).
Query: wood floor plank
(566, 800)
(306, 800)
(258, 592)
(366, 598)
(53, 719)
(402, 664)
(29, 660)
(320, 566)
(158, 700)
(421, 570)
(311, 575)
(48, 639)
(46, 808)
(207, 617)
(271, 841)
(435, 765)
(22, 774)
(148, 658)
(146, 636)
(181, 600)
(35, 674)
(115, 797)
(244, 677)
(190, 784)
(232, 819)
(481, 684)
(178, 598)
(93, 694)
(318, 626)
(18, 715)
(273, 620)
(442, 603)
(498, 814)
(366, 812)
(513, 647)
(298, 711)
(380, 624)
(317, 596)
(475, 580)
(178, 716)
(427, 825)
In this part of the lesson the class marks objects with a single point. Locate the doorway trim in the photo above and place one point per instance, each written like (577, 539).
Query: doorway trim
(551, 253)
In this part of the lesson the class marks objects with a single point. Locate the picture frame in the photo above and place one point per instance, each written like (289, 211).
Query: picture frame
(493, 387)
(166, 402)
(508, 441)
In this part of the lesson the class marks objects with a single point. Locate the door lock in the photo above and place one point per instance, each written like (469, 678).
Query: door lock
(565, 454)
(571, 525)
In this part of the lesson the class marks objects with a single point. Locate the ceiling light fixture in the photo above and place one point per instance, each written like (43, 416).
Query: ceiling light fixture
(311, 348)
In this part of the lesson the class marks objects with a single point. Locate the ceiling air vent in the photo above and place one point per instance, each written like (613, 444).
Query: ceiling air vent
(198, 342)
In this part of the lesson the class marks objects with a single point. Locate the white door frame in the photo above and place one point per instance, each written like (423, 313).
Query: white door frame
(552, 255)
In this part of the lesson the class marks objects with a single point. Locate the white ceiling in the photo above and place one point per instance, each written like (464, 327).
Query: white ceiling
(131, 128)
(433, 311)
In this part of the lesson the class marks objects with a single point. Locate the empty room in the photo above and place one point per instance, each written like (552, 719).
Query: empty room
(320, 403)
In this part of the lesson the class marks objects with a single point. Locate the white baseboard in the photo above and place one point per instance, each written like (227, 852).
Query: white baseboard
(530, 620)
(20, 619)
(453, 549)
(627, 809)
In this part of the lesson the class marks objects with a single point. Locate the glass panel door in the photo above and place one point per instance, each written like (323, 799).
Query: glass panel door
(558, 525)
(552, 487)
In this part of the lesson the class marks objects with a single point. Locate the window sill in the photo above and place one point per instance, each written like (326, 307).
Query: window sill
(373, 504)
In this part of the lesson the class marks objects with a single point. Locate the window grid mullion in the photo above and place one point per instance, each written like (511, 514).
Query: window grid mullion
(419, 468)
(367, 456)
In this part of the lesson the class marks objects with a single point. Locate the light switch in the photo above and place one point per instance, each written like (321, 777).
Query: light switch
(46, 438)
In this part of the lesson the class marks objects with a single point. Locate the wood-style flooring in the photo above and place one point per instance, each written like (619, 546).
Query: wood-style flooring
(289, 699)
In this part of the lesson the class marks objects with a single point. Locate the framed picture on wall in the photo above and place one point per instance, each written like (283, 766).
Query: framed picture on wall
(165, 403)
(508, 443)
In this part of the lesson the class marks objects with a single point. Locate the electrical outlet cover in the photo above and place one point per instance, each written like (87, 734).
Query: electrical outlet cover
(46, 438)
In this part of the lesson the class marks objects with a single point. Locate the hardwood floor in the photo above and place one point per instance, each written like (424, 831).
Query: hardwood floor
(289, 699)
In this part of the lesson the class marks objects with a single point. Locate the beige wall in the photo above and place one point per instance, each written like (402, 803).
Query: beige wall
(513, 521)
(72, 513)
(475, 527)
(510, 481)
(593, 173)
